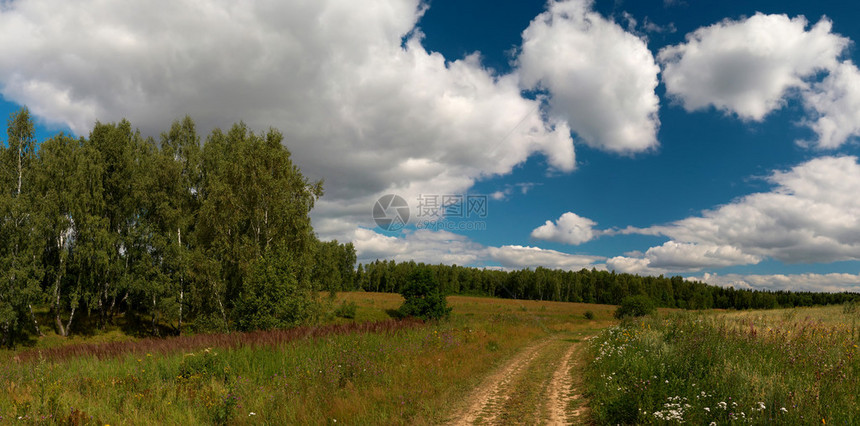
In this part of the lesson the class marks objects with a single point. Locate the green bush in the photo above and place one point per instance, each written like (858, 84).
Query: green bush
(589, 315)
(423, 298)
(273, 296)
(346, 310)
(635, 306)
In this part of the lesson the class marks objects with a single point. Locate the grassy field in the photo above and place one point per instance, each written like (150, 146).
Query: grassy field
(797, 366)
(394, 373)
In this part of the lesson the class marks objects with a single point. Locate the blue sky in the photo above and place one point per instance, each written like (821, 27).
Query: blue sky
(714, 140)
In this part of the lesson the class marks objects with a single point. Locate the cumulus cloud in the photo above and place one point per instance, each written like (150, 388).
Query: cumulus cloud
(673, 256)
(600, 78)
(835, 103)
(518, 257)
(428, 246)
(747, 67)
(569, 229)
(634, 265)
(421, 245)
(359, 99)
(834, 282)
(811, 215)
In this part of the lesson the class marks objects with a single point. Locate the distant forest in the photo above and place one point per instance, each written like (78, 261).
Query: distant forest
(175, 234)
(586, 286)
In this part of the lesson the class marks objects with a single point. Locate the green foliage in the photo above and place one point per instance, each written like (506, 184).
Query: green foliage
(346, 310)
(635, 306)
(20, 247)
(182, 234)
(422, 297)
(274, 295)
(334, 267)
(589, 315)
(588, 286)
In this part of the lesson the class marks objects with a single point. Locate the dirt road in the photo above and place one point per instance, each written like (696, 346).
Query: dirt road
(539, 385)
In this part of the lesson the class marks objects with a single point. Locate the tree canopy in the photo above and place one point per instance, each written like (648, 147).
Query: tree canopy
(214, 235)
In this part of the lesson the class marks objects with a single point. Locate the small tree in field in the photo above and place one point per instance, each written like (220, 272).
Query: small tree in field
(274, 296)
(635, 306)
(423, 298)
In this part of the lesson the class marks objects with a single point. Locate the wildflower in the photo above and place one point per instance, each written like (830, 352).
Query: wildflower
(707, 409)
(783, 410)
(252, 414)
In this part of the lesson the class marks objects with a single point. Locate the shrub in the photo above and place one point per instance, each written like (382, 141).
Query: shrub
(635, 306)
(423, 298)
(589, 315)
(345, 310)
(273, 296)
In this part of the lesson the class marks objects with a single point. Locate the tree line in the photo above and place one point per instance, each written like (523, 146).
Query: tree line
(586, 286)
(170, 231)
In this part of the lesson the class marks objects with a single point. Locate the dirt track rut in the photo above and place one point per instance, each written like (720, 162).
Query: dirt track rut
(490, 402)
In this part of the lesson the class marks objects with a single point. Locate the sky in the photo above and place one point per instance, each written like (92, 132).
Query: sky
(713, 140)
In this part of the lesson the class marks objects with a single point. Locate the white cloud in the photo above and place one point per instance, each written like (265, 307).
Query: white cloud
(812, 215)
(518, 257)
(634, 265)
(834, 282)
(650, 26)
(673, 256)
(677, 256)
(747, 67)
(370, 113)
(601, 78)
(421, 246)
(509, 189)
(835, 102)
(568, 229)
(445, 247)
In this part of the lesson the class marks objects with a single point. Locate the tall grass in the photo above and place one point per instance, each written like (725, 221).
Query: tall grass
(378, 373)
(223, 340)
(785, 368)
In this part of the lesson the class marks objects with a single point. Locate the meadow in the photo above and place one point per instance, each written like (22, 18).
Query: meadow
(791, 366)
(369, 369)
(788, 366)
